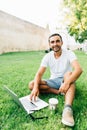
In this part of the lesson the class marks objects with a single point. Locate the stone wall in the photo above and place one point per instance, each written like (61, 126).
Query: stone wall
(20, 35)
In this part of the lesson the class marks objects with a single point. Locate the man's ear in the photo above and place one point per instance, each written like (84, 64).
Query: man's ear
(49, 45)
(62, 42)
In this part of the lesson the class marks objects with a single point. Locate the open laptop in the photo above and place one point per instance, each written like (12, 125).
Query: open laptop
(25, 103)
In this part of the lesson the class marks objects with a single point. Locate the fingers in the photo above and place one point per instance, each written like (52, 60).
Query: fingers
(63, 88)
(34, 95)
(31, 96)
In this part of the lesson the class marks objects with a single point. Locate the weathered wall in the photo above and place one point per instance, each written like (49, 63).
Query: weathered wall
(20, 35)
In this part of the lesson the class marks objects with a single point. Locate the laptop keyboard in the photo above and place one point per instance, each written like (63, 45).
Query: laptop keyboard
(27, 104)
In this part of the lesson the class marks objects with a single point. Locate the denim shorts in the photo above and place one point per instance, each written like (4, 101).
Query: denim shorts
(55, 83)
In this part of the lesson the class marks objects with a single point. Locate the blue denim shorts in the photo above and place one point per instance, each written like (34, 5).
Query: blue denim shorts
(55, 83)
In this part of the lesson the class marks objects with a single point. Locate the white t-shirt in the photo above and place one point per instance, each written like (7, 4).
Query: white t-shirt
(58, 67)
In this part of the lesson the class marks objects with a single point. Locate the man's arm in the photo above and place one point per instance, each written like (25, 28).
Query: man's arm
(37, 80)
(77, 70)
(75, 73)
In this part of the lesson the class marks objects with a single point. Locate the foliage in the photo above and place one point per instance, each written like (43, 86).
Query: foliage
(78, 19)
(16, 70)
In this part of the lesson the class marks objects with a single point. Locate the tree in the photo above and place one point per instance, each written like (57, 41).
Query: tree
(78, 19)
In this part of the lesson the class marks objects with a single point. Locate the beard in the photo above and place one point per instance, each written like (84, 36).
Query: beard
(56, 48)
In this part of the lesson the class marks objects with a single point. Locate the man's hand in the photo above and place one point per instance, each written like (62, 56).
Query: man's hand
(34, 94)
(64, 87)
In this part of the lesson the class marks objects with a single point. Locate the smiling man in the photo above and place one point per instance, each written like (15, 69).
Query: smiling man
(64, 69)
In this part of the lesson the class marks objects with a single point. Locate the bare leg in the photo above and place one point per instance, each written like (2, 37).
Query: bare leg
(67, 115)
(44, 88)
(69, 96)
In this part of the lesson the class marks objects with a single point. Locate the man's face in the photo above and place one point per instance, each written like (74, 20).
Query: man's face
(55, 43)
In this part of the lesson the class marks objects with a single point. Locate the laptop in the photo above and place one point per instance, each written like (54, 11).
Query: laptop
(25, 103)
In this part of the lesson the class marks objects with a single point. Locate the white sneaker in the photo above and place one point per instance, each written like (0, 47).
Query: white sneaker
(67, 117)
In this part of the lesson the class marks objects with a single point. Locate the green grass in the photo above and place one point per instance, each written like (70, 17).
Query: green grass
(16, 70)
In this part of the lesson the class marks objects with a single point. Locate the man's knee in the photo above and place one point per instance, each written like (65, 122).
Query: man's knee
(30, 85)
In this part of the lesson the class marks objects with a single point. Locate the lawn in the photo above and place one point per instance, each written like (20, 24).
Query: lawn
(16, 70)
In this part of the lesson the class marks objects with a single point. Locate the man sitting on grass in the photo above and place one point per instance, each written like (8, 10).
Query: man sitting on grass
(62, 79)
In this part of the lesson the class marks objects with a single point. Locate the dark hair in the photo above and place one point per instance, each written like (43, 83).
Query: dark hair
(55, 34)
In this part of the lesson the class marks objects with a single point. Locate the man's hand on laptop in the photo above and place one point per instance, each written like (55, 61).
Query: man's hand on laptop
(34, 94)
